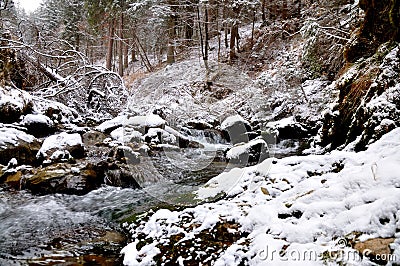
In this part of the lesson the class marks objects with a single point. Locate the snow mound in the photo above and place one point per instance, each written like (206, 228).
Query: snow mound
(112, 123)
(30, 119)
(145, 121)
(59, 142)
(12, 137)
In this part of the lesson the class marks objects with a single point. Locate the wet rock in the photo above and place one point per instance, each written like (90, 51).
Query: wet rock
(124, 154)
(122, 176)
(184, 142)
(235, 129)
(13, 104)
(64, 178)
(92, 138)
(63, 141)
(12, 178)
(249, 153)
(199, 124)
(38, 125)
(17, 144)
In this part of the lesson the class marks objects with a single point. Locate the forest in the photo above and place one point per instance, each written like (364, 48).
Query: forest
(200, 132)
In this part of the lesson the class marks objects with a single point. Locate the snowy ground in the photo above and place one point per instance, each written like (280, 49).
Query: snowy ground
(317, 205)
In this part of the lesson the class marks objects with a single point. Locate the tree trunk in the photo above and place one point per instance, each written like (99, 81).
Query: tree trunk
(234, 38)
(126, 54)
(110, 45)
(263, 17)
(171, 38)
(121, 48)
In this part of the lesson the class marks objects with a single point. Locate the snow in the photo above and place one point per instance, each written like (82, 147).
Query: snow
(12, 136)
(333, 195)
(231, 120)
(125, 134)
(145, 121)
(236, 151)
(59, 142)
(109, 124)
(36, 119)
(17, 98)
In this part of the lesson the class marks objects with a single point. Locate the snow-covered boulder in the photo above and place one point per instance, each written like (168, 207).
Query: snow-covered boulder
(158, 136)
(143, 123)
(126, 135)
(110, 125)
(13, 104)
(15, 143)
(57, 112)
(63, 141)
(249, 153)
(288, 128)
(199, 124)
(38, 125)
(236, 129)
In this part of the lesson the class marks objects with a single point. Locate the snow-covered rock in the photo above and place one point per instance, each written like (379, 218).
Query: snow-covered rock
(13, 104)
(143, 123)
(18, 144)
(255, 151)
(288, 128)
(110, 125)
(236, 128)
(126, 135)
(57, 112)
(63, 141)
(38, 125)
(158, 136)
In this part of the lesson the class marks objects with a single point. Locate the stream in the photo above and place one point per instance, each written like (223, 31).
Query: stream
(61, 229)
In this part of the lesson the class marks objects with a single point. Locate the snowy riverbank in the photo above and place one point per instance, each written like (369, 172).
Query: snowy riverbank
(324, 206)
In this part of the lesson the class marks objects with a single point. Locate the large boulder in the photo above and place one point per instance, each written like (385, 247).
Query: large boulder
(15, 143)
(13, 104)
(288, 128)
(38, 125)
(236, 129)
(112, 124)
(92, 138)
(126, 135)
(144, 123)
(56, 111)
(64, 178)
(62, 142)
(250, 153)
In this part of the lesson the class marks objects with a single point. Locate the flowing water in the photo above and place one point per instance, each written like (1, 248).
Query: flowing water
(63, 229)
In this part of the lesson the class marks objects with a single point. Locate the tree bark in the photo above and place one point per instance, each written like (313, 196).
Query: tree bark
(110, 45)
(234, 38)
(121, 47)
